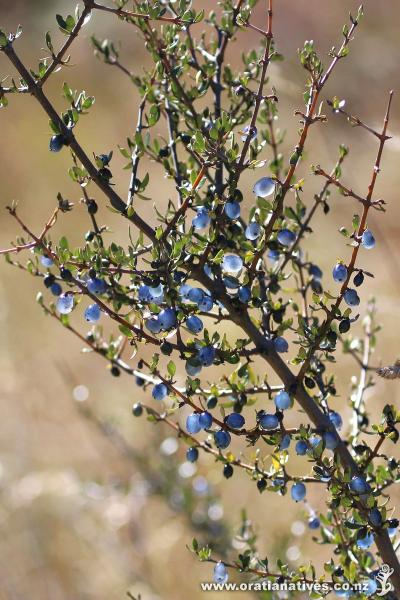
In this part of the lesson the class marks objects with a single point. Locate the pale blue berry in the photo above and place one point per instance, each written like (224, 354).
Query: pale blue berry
(331, 440)
(281, 345)
(375, 517)
(220, 573)
(368, 240)
(359, 485)
(46, 261)
(56, 289)
(366, 541)
(282, 400)
(268, 421)
(264, 187)
(193, 423)
(92, 313)
(96, 285)
(335, 419)
(314, 523)
(235, 420)
(232, 263)
(232, 210)
(160, 391)
(192, 454)
(194, 324)
(244, 294)
(167, 318)
(65, 304)
(351, 297)
(222, 439)
(298, 491)
(193, 369)
(286, 237)
(253, 231)
(206, 355)
(56, 143)
(202, 219)
(205, 420)
(153, 325)
(301, 447)
(206, 303)
(339, 272)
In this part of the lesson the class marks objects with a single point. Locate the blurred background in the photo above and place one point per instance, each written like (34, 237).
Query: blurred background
(92, 502)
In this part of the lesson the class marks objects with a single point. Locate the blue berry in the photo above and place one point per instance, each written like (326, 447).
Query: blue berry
(46, 261)
(56, 143)
(301, 448)
(206, 303)
(280, 344)
(206, 355)
(220, 573)
(184, 290)
(339, 272)
(314, 523)
(230, 282)
(194, 324)
(285, 442)
(331, 440)
(144, 293)
(335, 419)
(137, 409)
(273, 255)
(192, 454)
(366, 541)
(232, 210)
(193, 423)
(244, 294)
(160, 391)
(375, 517)
(264, 187)
(232, 263)
(392, 531)
(156, 292)
(65, 304)
(315, 271)
(282, 400)
(92, 313)
(286, 237)
(195, 295)
(202, 219)
(269, 421)
(222, 439)
(369, 587)
(368, 240)
(253, 231)
(153, 325)
(56, 289)
(351, 297)
(314, 441)
(167, 318)
(359, 485)
(139, 381)
(205, 420)
(298, 491)
(192, 369)
(96, 285)
(235, 420)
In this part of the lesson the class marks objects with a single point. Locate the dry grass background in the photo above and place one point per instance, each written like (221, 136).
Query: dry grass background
(76, 519)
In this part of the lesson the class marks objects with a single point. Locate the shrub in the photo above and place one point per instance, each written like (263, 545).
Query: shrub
(222, 252)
